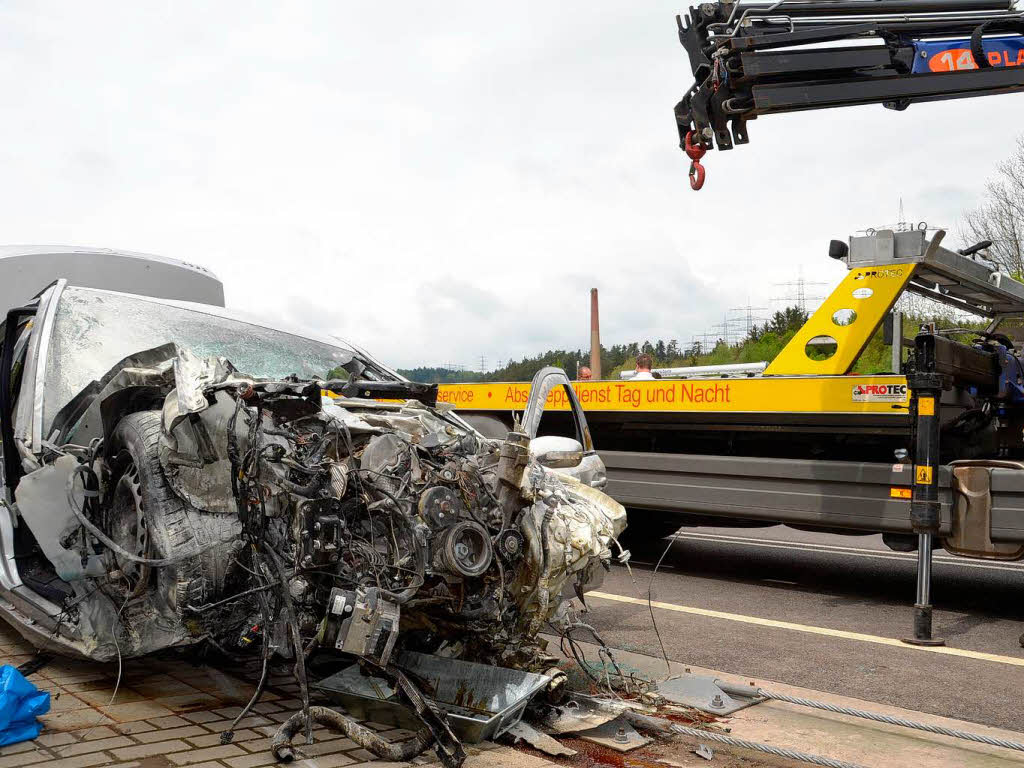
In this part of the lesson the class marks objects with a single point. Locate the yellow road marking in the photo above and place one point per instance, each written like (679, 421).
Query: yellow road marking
(980, 656)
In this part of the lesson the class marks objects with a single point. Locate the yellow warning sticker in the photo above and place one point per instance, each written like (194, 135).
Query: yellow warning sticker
(923, 475)
(900, 493)
(926, 406)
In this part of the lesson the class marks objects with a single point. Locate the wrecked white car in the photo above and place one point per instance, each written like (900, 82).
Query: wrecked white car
(175, 475)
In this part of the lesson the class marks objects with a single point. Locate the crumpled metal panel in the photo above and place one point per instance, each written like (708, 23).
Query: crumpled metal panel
(580, 522)
(192, 375)
(42, 502)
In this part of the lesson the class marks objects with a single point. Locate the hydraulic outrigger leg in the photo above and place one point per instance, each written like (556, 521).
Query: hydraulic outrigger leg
(925, 510)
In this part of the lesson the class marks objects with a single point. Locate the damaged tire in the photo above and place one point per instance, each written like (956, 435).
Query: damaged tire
(173, 527)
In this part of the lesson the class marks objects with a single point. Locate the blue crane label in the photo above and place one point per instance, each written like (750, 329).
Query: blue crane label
(955, 55)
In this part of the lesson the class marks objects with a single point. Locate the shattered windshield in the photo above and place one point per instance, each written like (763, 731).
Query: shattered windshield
(94, 330)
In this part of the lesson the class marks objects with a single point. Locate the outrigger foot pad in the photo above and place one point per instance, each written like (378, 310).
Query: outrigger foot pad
(923, 628)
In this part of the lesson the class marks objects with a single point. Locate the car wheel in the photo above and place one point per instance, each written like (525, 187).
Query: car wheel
(148, 518)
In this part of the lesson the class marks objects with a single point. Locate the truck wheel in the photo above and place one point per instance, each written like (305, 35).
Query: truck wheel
(646, 530)
(151, 515)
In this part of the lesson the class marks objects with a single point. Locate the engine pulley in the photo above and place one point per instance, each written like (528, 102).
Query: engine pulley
(463, 549)
(440, 506)
(510, 545)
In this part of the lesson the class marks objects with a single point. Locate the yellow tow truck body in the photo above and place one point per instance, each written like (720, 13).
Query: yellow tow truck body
(807, 443)
(793, 383)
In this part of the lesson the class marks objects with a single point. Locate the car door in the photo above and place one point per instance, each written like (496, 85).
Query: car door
(22, 344)
(15, 332)
(575, 457)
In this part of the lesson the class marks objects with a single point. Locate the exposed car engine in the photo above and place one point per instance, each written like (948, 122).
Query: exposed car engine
(262, 516)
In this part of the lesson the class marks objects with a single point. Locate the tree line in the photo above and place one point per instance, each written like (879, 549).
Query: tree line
(765, 340)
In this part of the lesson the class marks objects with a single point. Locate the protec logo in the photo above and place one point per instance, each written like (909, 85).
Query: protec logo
(879, 393)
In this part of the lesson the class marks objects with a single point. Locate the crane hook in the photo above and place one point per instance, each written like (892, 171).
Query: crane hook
(697, 175)
(695, 152)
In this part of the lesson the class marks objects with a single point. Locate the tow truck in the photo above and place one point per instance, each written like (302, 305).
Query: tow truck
(758, 58)
(929, 455)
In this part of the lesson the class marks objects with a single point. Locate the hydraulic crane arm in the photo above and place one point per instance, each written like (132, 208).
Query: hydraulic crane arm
(756, 58)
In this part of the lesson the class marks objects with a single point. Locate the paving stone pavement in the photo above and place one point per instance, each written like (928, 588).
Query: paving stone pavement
(169, 713)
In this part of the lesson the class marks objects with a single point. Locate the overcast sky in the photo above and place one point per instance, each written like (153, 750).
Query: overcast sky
(444, 181)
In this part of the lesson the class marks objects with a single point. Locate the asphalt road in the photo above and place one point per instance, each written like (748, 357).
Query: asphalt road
(826, 583)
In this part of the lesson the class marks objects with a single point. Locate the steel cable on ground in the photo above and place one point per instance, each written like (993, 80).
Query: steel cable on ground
(876, 717)
(768, 749)
(891, 720)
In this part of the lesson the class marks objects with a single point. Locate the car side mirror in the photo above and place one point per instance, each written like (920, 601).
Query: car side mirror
(546, 382)
(556, 452)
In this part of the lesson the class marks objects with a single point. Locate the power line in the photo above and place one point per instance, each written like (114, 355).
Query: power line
(749, 318)
(799, 292)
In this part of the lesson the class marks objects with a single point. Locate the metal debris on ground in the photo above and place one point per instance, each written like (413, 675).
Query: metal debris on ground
(703, 750)
(579, 713)
(706, 694)
(481, 702)
(538, 740)
(360, 734)
(616, 734)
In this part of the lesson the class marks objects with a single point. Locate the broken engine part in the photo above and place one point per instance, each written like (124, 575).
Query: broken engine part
(480, 701)
(362, 623)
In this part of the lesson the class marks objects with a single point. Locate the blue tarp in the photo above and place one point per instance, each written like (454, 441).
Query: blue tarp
(20, 704)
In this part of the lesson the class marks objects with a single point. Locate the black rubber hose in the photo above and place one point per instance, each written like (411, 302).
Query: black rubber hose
(977, 38)
(310, 490)
(361, 735)
(293, 628)
(407, 594)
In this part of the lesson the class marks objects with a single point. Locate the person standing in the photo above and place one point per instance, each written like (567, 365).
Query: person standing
(644, 362)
